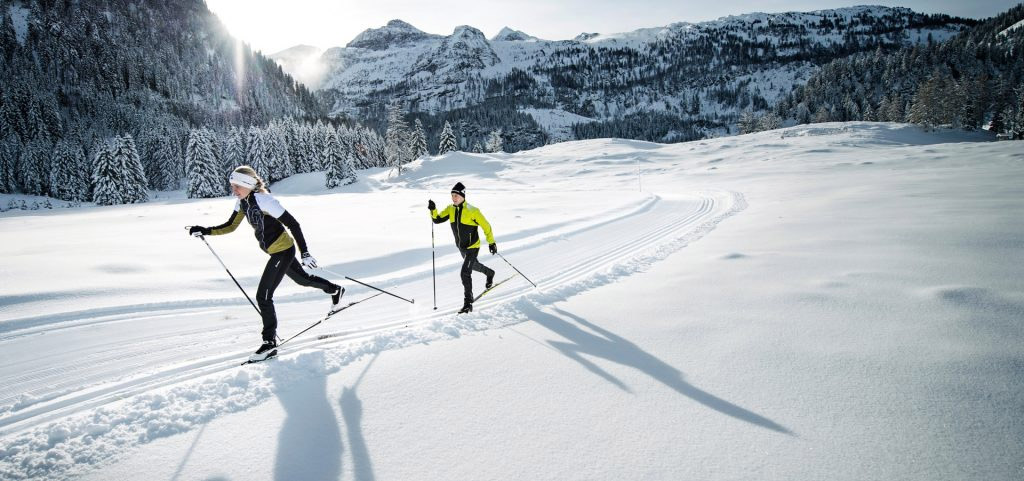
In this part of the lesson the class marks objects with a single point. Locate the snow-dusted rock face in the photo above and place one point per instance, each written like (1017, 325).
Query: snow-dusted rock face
(508, 35)
(702, 75)
(395, 34)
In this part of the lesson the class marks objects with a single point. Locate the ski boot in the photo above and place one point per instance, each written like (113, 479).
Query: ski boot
(267, 349)
(467, 307)
(336, 298)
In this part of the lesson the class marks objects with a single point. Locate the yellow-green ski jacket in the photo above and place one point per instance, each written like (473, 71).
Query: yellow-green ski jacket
(464, 219)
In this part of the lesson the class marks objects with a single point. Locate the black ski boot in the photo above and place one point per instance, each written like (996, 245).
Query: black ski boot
(336, 298)
(466, 307)
(266, 350)
(490, 281)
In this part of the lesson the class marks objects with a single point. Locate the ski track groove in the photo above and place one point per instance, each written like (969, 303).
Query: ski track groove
(619, 243)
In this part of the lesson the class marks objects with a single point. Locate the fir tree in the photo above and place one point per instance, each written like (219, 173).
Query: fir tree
(277, 148)
(234, 151)
(335, 168)
(107, 176)
(397, 137)
(418, 141)
(448, 143)
(166, 158)
(257, 152)
(204, 175)
(126, 155)
(9, 153)
(66, 180)
(34, 166)
(494, 141)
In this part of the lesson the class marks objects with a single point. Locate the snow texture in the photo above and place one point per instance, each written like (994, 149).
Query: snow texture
(818, 302)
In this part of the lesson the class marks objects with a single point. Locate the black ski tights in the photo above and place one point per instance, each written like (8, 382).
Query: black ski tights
(470, 264)
(278, 266)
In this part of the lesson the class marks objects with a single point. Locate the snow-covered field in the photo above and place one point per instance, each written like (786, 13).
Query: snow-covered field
(835, 301)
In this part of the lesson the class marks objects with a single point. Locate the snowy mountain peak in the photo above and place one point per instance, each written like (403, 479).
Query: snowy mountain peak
(583, 37)
(508, 35)
(395, 33)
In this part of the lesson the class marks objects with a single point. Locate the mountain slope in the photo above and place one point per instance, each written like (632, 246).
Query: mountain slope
(691, 79)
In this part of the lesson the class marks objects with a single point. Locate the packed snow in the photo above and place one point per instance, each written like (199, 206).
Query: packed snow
(834, 301)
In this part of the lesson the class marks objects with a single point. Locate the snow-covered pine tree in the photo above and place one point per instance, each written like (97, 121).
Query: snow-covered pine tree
(205, 178)
(280, 161)
(107, 176)
(334, 162)
(9, 152)
(396, 138)
(257, 152)
(234, 150)
(769, 121)
(303, 152)
(348, 174)
(166, 157)
(34, 166)
(748, 122)
(448, 143)
(418, 142)
(494, 141)
(126, 155)
(66, 181)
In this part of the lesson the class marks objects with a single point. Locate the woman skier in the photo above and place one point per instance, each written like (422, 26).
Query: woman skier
(268, 220)
(464, 219)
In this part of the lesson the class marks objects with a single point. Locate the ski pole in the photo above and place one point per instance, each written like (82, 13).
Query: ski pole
(357, 281)
(433, 267)
(317, 323)
(203, 238)
(517, 270)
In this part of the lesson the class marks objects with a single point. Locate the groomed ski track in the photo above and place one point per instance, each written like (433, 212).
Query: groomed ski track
(135, 351)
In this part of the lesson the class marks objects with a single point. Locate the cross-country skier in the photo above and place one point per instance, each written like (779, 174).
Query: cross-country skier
(464, 219)
(269, 219)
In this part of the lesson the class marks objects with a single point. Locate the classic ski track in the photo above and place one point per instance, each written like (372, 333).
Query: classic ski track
(612, 251)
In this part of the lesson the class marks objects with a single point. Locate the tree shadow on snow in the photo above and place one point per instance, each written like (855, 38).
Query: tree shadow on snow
(352, 414)
(309, 444)
(609, 346)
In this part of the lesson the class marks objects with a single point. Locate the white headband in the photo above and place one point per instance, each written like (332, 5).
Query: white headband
(242, 180)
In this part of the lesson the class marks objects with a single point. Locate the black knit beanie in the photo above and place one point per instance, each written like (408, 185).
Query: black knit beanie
(459, 189)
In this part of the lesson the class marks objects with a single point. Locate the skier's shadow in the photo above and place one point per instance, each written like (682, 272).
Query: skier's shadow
(352, 414)
(309, 444)
(616, 349)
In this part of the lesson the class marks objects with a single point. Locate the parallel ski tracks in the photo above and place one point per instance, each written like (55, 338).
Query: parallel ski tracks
(621, 239)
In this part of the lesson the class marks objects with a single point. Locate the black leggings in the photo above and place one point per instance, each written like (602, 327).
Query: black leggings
(278, 265)
(470, 264)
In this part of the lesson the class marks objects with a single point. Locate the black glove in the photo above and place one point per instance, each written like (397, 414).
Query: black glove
(196, 230)
(494, 248)
(431, 206)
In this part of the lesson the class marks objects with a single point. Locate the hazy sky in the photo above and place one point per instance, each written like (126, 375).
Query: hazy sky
(272, 26)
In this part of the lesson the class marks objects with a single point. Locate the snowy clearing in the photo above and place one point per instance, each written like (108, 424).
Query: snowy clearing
(833, 301)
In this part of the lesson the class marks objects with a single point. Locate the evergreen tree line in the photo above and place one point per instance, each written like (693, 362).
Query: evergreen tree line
(974, 80)
(77, 77)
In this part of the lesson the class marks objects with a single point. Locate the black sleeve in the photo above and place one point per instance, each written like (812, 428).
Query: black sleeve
(293, 226)
(228, 226)
(440, 219)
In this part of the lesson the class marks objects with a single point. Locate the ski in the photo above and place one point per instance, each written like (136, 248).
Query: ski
(317, 323)
(273, 354)
(509, 278)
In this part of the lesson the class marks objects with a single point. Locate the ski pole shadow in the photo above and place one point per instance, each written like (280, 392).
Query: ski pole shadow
(309, 444)
(352, 414)
(188, 455)
(607, 345)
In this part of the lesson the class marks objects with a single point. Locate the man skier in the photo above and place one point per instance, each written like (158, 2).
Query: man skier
(464, 219)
